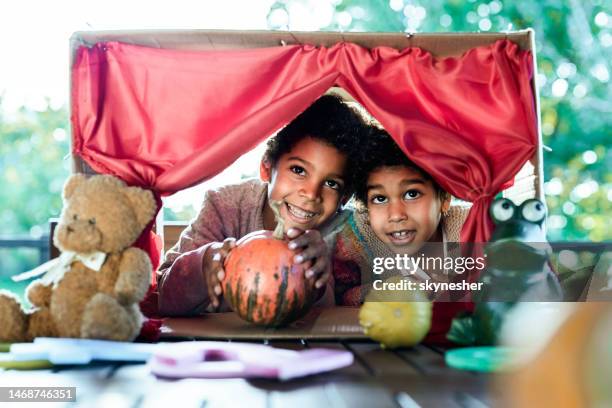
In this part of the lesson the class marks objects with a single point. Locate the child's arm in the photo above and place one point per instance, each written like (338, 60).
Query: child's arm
(348, 289)
(212, 267)
(182, 283)
(351, 267)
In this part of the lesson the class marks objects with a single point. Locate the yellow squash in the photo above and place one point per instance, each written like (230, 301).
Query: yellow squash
(398, 318)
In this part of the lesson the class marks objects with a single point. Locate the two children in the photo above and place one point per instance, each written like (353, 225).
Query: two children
(313, 166)
(307, 168)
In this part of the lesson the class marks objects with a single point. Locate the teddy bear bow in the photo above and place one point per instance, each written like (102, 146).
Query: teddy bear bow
(56, 268)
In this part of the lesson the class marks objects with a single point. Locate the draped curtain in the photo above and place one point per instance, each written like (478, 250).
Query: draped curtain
(169, 119)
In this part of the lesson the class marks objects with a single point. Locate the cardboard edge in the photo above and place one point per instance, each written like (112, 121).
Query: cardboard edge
(539, 157)
(439, 44)
(451, 43)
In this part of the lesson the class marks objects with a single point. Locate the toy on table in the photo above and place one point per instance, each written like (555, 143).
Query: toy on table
(517, 270)
(396, 318)
(207, 359)
(483, 359)
(204, 359)
(92, 290)
(79, 351)
(7, 361)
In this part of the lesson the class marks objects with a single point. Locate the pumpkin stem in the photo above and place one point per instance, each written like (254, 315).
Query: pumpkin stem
(279, 231)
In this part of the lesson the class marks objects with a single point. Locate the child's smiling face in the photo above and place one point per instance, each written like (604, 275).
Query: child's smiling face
(404, 208)
(308, 181)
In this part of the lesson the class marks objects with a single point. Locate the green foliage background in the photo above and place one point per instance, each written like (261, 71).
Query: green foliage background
(33, 167)
(574, 50)
(574, 54)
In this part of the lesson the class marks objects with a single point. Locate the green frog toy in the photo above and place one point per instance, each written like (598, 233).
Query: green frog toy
(517, 270)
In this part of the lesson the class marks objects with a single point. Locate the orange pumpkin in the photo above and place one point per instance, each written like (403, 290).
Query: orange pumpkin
(262, 284)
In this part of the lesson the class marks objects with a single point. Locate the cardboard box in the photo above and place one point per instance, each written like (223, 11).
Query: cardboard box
(330, 323)
(333, 323)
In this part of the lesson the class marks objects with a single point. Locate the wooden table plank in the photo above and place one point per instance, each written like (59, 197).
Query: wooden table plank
(426, 360)
(440, 391)
(355, 370)
(91, 382)
(422, 374)
(306, 396)
(145, 390)
(381, 362)
(207, 393)
(364, 394)
(323, 391)
(470, 387)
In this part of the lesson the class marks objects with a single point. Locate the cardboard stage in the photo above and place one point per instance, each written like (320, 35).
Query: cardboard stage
(335, 323)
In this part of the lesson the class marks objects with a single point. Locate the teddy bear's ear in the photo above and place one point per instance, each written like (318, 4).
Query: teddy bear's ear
(72, 183)
(143, 203)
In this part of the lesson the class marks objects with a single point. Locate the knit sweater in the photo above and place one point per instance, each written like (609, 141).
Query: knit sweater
(230, 211)
(357, 246)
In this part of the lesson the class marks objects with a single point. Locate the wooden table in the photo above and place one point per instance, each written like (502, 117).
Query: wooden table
(409, 377)
(378, 378)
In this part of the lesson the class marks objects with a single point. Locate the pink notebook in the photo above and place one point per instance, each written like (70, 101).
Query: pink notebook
(211, 359)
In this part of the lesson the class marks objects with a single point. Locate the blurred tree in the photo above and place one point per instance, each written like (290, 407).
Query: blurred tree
(574, 50)
(32, 172)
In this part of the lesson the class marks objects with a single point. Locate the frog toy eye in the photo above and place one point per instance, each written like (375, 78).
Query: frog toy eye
(502, 210)
(533, 210)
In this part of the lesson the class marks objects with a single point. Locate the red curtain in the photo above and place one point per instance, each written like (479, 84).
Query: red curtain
(168, 119)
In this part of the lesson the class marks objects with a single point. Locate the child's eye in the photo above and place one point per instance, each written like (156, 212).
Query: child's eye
(412, 194)
(378, 199)
(333, 184)
(299, 170)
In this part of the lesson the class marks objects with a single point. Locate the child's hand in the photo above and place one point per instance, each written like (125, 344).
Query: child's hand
(309, 246)
(212, 267)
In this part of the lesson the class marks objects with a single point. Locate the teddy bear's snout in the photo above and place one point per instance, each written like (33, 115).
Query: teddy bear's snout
(79, 236)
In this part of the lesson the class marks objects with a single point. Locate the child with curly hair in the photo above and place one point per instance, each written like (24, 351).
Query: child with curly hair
(400, 209)
(307, 168)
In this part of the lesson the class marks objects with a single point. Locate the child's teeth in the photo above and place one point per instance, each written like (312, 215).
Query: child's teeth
(299, 213)
(400, 234)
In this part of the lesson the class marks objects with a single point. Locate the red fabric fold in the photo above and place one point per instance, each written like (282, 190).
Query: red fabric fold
(169, 119)
(150, 242)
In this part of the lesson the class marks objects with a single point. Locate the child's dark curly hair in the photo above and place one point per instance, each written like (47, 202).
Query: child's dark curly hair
(380, 150)
(330, 120)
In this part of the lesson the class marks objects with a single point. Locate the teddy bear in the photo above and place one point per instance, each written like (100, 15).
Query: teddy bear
(94, 287)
